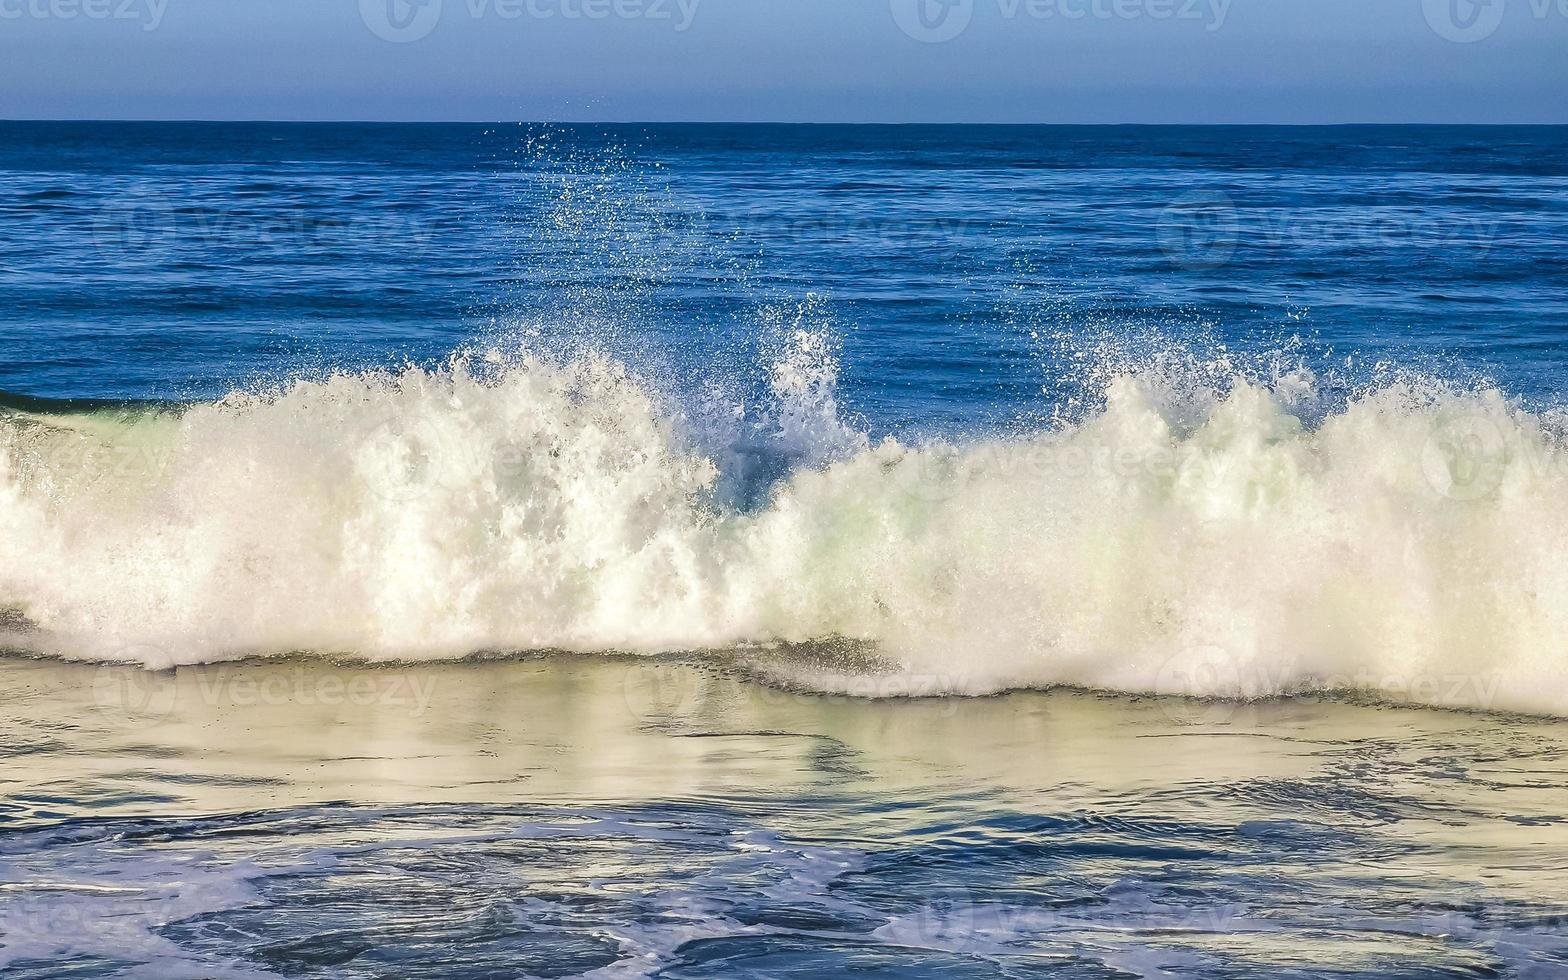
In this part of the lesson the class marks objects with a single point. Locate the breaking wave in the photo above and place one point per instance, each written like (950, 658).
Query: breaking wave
(1220, 536)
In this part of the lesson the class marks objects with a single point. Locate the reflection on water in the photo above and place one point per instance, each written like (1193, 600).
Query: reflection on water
(604, 817)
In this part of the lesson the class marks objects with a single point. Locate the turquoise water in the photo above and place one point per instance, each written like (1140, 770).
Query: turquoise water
(493, 551)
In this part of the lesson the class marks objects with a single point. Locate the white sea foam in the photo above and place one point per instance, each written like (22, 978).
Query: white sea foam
(1232, 539)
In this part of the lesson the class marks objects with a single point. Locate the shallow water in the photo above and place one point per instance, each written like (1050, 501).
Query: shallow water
(606, 817)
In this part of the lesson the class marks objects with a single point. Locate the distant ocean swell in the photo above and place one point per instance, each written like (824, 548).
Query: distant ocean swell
(1232, 538)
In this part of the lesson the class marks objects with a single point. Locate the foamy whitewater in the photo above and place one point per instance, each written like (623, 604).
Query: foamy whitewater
(1230, 539)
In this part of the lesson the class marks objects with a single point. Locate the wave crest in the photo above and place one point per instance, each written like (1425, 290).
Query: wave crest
(1406, 542)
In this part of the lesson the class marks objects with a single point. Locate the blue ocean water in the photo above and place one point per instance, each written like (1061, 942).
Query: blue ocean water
(180, 260)
(756, 551)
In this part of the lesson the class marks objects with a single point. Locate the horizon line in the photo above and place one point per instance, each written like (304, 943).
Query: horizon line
(773, 122)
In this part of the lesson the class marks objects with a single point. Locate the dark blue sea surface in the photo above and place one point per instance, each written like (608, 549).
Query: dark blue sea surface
(959, 265)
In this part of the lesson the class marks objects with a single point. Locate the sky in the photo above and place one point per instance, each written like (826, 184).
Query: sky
(1050, 61)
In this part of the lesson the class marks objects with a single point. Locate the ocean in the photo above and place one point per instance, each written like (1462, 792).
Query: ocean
(753, 551)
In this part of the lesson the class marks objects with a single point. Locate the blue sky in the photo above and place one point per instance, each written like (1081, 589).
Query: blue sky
(1289, 61)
